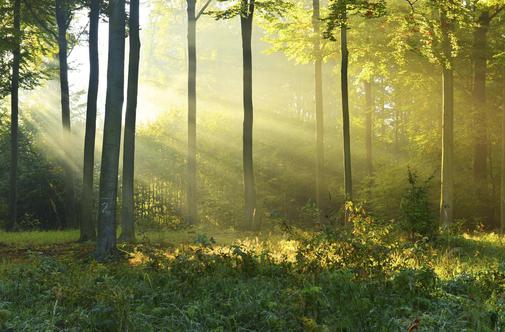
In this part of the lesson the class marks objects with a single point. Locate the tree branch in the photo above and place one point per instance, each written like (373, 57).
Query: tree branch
(202, 10)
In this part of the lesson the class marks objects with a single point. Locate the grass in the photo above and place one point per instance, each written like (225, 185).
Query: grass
(182, 281)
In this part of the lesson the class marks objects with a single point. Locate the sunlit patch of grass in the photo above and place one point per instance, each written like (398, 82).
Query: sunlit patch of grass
(38, 238)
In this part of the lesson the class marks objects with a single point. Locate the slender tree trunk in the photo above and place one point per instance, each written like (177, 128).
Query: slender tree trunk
(345, 110)
(479, 97)
(447, 182)
(246, 20)
(481, 144)
(369, 126)
(106, 242)
(16, 54)
(88, 217)
(502, 187)
(62, 17)
(318, 80)
(127, 220)
(191, 195)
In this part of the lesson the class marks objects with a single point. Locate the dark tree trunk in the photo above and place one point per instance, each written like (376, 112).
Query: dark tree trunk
(318, 80)
(345, 110)
(16, 54)
(106, 241)
(369, 126)
(191, 194)
(246, 20)
(88, 216)
(127, 221)
(479, 97)
(62, 17)
(447, 182)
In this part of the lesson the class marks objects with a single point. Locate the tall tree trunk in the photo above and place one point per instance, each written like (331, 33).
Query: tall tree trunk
(16, 54)
(502, 187)
(88, 217)
(369, 126)
(62, 17)
(345, 107)
(447, 182)
(479, 97)
(246, 20)
(318, 82)
(127, 221)
(106, 242)
(481, 153)
(191, 195)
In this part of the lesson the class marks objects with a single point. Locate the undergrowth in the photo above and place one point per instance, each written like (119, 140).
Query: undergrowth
(356, 276)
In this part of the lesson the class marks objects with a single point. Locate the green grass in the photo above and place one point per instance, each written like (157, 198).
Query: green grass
(38, 238)
(370, 281)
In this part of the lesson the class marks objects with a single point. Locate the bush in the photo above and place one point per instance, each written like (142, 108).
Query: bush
(417, 218)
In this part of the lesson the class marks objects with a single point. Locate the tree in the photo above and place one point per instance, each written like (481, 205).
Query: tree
(339, 17)
(246, 9)
(63, 18)
(87, 219)
(369, 109)
(447, 180)
(318, 87)
(106, 241)
(16, 55)
(127, 222)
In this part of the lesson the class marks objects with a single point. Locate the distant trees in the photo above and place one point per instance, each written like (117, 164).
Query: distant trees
(106, 240)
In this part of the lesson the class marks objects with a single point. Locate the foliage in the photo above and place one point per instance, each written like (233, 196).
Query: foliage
(417, 215)
(259, 285)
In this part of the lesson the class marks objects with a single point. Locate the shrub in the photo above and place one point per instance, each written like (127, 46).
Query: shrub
(417, 218)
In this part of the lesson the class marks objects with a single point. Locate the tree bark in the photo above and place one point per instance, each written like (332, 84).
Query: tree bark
(502, 187)
(479, 97)
(16, 54)
(246, 20)
(127, 221)
(369, 126)
(88, 217)
(106, 241)
(62, 17)
(345, 110)
(191, 194)
(318, 86)
(447, 182)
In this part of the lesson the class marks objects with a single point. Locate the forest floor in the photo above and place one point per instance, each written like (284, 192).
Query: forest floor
(230, 281)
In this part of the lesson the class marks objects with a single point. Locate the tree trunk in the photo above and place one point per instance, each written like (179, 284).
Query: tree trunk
(88, 217)
(481, 151)
(191, 195)
(246, 20)
(502, 187)
(345, 110)
(318, 80)
(127, 221)
(479, 97)
(446, 195)
(62, 17)
(16, 54)
(106, 242)
(369, 126)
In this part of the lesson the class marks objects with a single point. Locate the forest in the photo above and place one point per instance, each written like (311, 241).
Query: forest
(346, 174)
